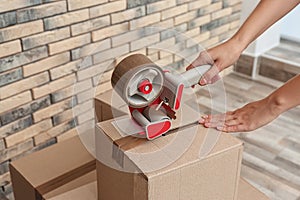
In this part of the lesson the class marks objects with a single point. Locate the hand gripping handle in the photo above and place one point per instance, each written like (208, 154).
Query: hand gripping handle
(192, 77)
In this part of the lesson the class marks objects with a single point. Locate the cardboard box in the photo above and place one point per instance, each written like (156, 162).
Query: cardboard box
(248, 192)
(44, 171)
(186, 176)
(89, 191)
(106, 109)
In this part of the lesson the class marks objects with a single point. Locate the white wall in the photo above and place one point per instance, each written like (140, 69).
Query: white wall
(290, 25)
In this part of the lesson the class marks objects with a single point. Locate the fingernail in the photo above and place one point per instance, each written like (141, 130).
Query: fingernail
(220, 128)
(201, 121)
(202, 81)
(205, 116)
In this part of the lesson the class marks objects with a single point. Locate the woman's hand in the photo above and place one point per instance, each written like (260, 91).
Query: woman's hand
(220, 57)
(250, 117)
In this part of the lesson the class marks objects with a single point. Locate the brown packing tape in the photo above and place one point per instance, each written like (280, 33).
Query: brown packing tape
(123, 144)
(65, 178)
(72, 185)
(85, 192)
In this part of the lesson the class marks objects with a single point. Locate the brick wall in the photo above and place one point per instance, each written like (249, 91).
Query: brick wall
(48, 45)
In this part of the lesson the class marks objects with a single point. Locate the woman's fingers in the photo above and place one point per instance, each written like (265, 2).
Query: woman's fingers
(217, 118)
(211, 76)
(232, 122)
(233, 128)
(228, 122)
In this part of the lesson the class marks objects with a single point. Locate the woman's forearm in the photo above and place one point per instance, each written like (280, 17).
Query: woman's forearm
(265, 15)
(285, 97)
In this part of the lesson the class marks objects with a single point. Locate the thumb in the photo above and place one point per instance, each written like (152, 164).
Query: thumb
(210, 76)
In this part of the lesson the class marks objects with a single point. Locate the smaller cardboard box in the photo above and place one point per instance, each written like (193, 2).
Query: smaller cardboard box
(41, 172)
(170, 167)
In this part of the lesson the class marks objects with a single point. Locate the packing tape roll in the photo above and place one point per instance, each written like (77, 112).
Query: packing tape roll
(130, 69)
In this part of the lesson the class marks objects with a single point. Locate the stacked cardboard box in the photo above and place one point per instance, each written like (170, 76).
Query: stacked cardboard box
(42, 174)
(67, 170)
(89, 191)
(168, 167)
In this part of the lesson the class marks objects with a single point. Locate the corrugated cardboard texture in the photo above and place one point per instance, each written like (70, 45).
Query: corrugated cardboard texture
(46, 170)
(215, 177)
(248, 192)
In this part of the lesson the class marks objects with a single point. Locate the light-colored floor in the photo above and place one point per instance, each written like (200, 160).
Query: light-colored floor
(271, 160)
